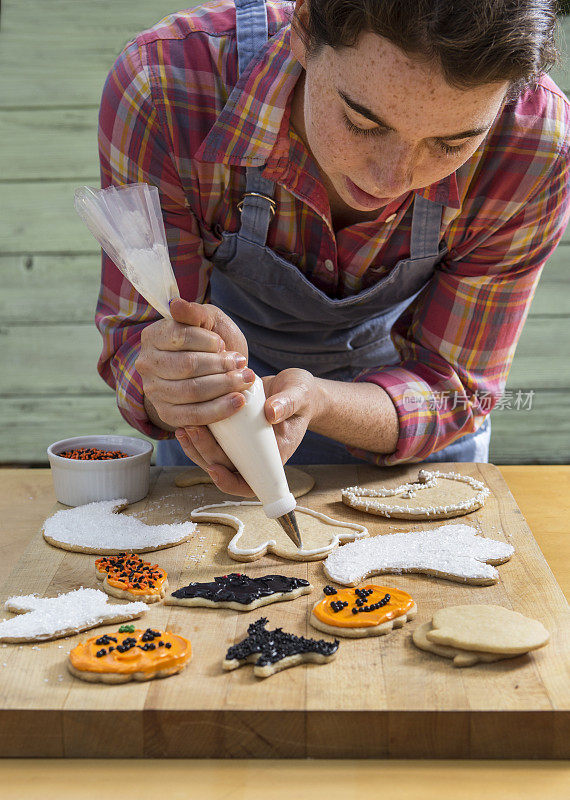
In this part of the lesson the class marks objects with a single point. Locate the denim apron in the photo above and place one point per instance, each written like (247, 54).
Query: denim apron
(288, 322)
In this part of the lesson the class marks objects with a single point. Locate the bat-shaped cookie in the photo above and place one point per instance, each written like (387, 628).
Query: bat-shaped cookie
(272, 651)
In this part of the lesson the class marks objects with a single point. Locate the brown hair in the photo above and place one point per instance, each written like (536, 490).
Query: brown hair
(475, 41)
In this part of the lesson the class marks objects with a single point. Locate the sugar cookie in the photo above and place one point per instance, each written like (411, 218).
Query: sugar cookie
(96, 528)
(300, 482)
(43, 618)
(240, 592)
(456, 552)
(128, 577)
(367, 611)
(461, 658)
(273, 651)
(487, 629)
(257, 535)
(435, 495)
(129, 656)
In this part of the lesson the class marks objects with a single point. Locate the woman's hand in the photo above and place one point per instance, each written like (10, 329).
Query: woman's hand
(292, 401)
(192, 367)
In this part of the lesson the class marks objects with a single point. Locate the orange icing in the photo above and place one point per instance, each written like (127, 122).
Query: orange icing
(400, 603)
(120, 569)
(84, 656)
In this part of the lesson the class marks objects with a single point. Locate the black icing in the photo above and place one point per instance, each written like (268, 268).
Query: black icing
(106, 639)
(238, 588)
(149, 635)
(273, 646)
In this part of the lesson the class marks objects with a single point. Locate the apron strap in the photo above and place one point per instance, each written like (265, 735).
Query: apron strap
(426, 222)
(251, 29)
(257, 206)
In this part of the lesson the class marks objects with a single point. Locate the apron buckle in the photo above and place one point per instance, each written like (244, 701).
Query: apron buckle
(270, 200)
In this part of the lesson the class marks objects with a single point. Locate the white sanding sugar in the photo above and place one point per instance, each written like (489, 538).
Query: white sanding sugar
(53, 617)
(97, 528)
(453, 551)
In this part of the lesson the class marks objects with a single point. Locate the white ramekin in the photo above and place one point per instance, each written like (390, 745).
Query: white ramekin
(80, 482)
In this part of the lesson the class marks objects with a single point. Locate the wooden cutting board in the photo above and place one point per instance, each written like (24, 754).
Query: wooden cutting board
(381, 697)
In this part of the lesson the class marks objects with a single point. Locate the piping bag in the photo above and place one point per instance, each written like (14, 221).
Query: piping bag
(127, 222)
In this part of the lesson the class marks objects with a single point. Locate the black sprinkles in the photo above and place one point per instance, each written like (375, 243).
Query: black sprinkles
(130, 641)
(361, 602)
(274, 646)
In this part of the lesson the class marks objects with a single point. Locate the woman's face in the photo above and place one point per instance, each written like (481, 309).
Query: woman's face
(380, 124)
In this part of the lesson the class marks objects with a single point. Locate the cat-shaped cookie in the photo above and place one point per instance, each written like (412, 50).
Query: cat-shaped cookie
(435, 495)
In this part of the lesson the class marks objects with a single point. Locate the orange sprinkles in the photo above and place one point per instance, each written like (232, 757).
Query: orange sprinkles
(128, 572)
(92, 454)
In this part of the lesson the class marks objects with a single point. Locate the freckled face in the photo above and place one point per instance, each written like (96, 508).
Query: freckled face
(367, 164)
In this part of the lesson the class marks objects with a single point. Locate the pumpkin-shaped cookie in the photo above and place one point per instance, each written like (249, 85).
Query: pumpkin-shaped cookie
(365, 611)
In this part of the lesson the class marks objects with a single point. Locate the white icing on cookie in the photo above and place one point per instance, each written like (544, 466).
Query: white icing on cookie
(455, 552)
(97, 528)
(212, 513)
(42, 618)
(353, 497)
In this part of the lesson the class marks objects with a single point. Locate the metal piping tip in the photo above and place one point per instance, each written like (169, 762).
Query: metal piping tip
(289, 524)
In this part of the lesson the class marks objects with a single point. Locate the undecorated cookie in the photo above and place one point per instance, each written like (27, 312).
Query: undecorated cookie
(300, 482)
(43, 618)
(257, 535)
(461, 658)
(456, 552)
(367, 611)
(97, 528)
(240, 592)
(487, 629)
(273, 651)
(129, 656)
(435, 495)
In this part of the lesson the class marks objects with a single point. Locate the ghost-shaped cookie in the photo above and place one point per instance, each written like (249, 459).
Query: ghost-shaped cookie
(435, 495)
(456, 552)
(257, 535)
(43, 618)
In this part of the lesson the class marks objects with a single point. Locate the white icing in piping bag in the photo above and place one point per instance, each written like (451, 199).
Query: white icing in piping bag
(127, 222)
(248, 439)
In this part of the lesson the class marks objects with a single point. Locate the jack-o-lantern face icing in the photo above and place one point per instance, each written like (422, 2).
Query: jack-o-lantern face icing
(366, 610)
(127, 575)
(130, 655)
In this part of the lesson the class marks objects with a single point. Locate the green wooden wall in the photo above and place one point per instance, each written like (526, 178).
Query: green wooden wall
(54, 56)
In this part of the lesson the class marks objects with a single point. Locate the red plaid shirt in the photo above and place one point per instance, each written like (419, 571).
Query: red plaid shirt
(165, 120)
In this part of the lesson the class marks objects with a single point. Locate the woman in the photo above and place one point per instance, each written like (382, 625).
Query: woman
(359, 198)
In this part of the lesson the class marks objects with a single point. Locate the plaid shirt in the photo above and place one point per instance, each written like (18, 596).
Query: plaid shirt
(165, 119)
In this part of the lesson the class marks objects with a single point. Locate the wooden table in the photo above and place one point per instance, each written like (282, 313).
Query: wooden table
(26, 497)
